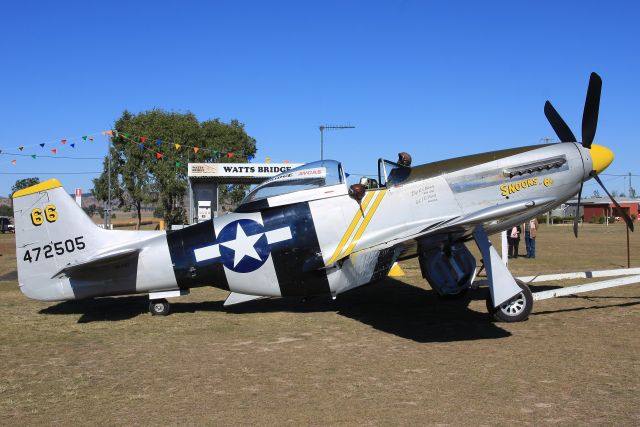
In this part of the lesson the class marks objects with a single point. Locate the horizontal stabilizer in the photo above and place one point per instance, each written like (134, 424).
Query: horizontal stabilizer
(97, 261)
(236, 298)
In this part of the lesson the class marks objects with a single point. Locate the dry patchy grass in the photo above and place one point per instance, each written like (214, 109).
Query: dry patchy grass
(388, 354)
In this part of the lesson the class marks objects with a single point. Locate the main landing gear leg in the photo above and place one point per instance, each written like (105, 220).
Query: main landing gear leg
(509, 300)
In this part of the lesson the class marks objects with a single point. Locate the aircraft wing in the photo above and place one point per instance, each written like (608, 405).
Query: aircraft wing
(466, 222)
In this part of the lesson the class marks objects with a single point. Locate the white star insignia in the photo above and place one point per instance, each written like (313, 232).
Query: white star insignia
(243, 246)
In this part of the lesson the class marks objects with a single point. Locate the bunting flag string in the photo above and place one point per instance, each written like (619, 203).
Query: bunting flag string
(216, 154)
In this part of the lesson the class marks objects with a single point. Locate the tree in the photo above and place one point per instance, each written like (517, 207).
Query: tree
(24, 183)
(5, 210)
(596, 193)
(90, 210)
(157, 171)
(130, 179)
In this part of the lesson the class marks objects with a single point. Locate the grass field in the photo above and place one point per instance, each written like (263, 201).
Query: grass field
(390, 353)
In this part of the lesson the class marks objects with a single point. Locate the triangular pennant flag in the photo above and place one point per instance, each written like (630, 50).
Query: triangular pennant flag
(267, 160)
(126, 135)
(42, 145)
(13, 161)
(230, 155)
(143, 139)
(250, 157)
(158, 155)
(347, 175)
(285, 161)
(195, 149)
(33, 156)
(158, 142)
(21, 148)
(54, 151)
(73, 145)
(64, 141)
(141, 145)
(177, 163)
(177, 146)
(90, 138)
(84, 137)
(215, 153)
(109, 132)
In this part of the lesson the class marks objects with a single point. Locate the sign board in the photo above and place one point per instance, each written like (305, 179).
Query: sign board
(204, 210)
(79, 196)
(239, 170)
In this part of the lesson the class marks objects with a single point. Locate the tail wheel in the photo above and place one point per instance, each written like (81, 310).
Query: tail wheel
(159, 307)
(516, 309)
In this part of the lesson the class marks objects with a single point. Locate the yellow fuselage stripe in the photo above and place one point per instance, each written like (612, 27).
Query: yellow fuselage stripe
(356, 218)
(365, 223)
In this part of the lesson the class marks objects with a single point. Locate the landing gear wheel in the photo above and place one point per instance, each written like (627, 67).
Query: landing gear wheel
(159, 307)
(516, 309)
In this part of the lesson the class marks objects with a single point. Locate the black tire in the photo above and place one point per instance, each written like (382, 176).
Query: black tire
(159, 307)
(517, 309)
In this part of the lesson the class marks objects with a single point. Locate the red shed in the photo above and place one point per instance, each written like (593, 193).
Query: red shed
(601, 207)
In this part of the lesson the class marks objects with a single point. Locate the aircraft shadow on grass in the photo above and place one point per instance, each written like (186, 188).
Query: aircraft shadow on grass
(390, 306)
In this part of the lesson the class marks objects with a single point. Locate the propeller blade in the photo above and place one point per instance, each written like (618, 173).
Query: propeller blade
(577, 215)
(628, 220)
(591, 109)
(558, 125)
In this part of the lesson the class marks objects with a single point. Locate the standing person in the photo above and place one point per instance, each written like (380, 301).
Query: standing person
(530, 234)
(514, 241)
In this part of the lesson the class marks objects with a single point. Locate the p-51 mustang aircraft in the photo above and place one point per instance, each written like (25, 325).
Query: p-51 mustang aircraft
(306, 232)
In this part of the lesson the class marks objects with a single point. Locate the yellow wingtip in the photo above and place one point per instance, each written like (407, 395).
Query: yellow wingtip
(43, 186)
(396, 270)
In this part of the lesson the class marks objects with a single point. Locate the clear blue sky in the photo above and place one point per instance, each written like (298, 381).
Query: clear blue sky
(434, 79)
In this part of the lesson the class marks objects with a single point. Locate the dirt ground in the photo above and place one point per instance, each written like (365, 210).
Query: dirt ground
(391, 353)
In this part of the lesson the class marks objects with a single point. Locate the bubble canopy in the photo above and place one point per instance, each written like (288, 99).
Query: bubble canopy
(313, 175)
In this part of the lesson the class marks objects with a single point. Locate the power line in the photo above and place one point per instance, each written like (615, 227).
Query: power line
(51, 157)
(49, 173)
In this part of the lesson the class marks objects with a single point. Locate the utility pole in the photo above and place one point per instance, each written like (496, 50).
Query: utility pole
(107, 210)
(322, 128)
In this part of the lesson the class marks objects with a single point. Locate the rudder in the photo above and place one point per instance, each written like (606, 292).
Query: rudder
(52, 231)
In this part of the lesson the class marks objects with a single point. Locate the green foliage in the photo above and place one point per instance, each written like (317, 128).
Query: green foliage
(24, 183)
(90, 210)
(139, 178)
(5, 210)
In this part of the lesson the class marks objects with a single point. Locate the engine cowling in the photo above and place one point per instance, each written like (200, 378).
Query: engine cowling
(449, 270)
